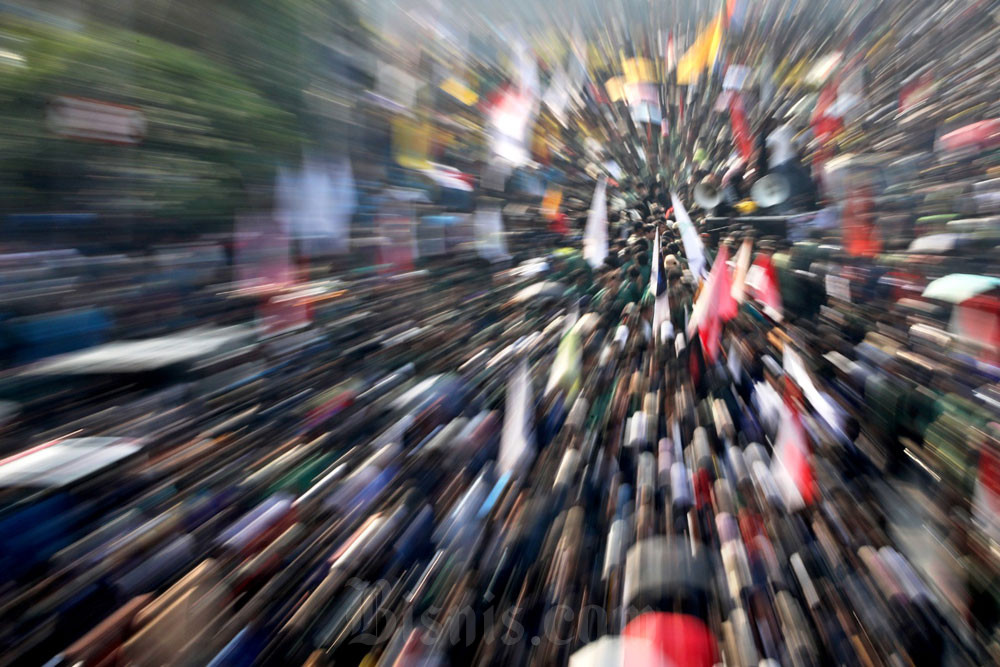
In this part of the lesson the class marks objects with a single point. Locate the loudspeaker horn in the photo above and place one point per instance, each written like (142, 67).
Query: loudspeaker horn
(707, 196)
(770, 190)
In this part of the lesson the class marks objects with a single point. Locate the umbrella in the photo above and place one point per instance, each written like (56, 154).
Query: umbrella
(531, 267)
(981, 135)
(540, 290)
(934, 243)
(959, 287)
(823, 68)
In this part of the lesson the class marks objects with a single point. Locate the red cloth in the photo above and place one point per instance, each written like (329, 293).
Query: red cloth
(558, 225)
(989, 471)
(860, 237)
(702, 489)
(825, 125)
(751, 525)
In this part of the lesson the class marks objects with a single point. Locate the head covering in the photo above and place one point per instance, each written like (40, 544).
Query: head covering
(684, 640)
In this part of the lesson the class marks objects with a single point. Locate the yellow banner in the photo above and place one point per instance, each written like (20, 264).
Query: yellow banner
(460, 91)
(638, 70)
(411, 142)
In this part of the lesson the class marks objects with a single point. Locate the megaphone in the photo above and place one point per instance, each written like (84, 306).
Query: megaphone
(770, 190)
(707, 195)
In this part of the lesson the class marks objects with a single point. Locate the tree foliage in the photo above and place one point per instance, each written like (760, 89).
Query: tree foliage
(210, 133)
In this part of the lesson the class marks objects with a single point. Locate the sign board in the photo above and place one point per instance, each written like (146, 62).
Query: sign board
(79, 118)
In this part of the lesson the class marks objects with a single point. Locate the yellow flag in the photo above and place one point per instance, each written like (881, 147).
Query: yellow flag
(691, 64)
(716, 42)
(701, 54)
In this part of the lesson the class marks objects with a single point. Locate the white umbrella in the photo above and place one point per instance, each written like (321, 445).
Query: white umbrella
(959, 287)
(934, 243)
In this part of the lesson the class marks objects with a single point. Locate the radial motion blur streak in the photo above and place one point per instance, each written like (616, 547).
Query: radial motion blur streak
(441, 332)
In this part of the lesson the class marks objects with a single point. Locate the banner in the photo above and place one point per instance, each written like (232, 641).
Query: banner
(741, 130)
(396, 223)
(489, 233)
(551, 201)
(510, 120)
(316, 205)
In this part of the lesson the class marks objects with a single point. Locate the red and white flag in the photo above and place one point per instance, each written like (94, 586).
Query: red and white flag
(762, 279)
(740, 268)
(715, 306)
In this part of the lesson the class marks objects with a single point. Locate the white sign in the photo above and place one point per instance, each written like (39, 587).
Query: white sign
(99, 121)
(838, 287)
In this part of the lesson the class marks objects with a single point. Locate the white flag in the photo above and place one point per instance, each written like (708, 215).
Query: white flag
(654, 274)
(689, 235)
(595, 240)
(662, 326)
(824, 406)
(517, 441)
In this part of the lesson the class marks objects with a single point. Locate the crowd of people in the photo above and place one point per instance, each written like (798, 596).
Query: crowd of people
(651, 456)
(669, 347)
